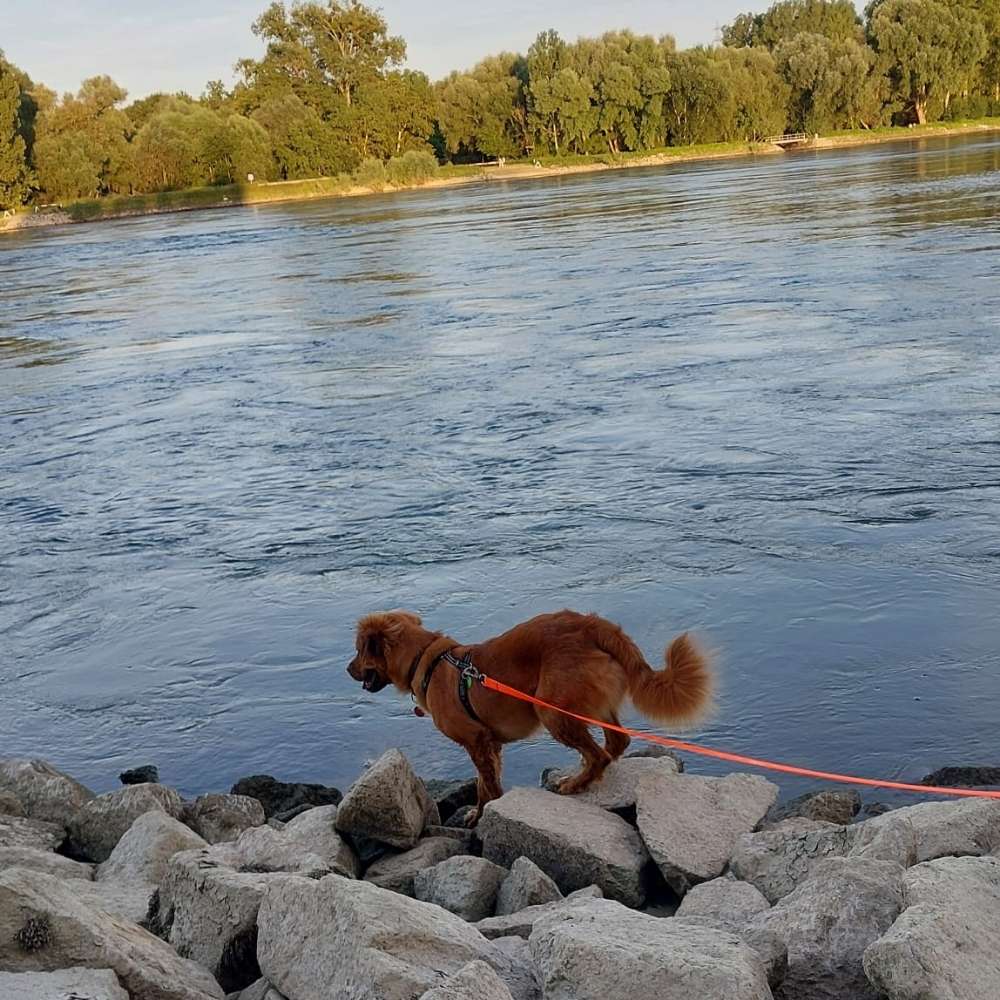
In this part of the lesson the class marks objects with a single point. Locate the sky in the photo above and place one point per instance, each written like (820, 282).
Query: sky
(170, 45)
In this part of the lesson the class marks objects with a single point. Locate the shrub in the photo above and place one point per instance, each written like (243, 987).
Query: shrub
(413, 167)
(371, 174)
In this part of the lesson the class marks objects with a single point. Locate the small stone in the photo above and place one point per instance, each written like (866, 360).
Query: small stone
(387, 803)
(726, 900)
(396, 871)
(525, 885)
(284, 797)
(463, 885)
(315, 830)
(836, 806)
(222, 818)
(145, 775)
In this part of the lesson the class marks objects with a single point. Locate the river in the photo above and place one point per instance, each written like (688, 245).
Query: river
(758, 398)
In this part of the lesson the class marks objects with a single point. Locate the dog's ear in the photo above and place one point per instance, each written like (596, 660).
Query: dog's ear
(375, 645)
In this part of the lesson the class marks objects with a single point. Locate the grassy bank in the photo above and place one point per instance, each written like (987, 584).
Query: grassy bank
(121, 206)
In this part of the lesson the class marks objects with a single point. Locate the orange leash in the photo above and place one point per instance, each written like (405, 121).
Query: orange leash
(735, 758)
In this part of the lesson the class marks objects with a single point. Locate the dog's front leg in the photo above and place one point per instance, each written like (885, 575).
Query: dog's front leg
(487, 755)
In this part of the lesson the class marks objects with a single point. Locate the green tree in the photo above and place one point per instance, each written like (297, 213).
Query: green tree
(393, 114)
(927, 49)
(303, 144)
(13, 149)
(700, 106)
(834, 19)
(760, 93)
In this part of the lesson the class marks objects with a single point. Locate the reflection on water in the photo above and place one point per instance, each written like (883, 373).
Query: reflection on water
(757, 398)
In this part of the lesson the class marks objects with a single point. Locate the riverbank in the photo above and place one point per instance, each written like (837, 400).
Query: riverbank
(235, 195)
(651, 878)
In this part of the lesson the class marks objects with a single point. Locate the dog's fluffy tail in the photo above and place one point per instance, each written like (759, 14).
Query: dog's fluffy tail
(680, 694)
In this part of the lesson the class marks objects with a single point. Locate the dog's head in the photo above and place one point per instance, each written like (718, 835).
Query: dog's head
(384, 643)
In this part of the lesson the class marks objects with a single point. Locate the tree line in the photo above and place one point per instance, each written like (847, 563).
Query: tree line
(329, 97)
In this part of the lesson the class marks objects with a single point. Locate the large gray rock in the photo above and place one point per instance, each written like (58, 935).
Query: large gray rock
(339, 937)
(45, 926)
(209, 898)
(260, 990)
(144, 851)
(44, 792)
(315, 830)
(516, 966)
(946, 944)
(10, 804)
(388, 803)
(596, 949)
(67, 984)
(99, 824)
(452, 795)
(15, 831)
(619, 787)
(734, 904)
(833, 805)
(690, 824)
(475, 981)
(944, 829)
(396, 871)
(521, 923)
(463, 885)
(218, 819)
(829, 921)
(525, 885)
(574, 843)
(44, 861)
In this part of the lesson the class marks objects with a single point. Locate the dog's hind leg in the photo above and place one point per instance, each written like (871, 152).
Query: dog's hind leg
(614, 742)
(575, 734)
(487, 755)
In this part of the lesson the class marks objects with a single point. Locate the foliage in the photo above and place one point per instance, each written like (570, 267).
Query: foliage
(412, 168)
(14, 176)
(371, 174)
(836, 20)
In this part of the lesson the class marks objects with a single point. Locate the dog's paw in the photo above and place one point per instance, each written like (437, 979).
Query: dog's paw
(472, 820)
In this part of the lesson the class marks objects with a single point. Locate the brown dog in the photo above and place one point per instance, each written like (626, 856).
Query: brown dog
(579, 662)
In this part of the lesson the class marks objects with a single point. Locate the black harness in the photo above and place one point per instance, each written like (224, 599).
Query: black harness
(467, 676)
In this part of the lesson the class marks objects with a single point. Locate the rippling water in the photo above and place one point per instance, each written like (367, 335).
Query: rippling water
(758, 398)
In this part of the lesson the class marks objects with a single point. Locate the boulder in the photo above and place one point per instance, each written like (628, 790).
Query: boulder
(387, 803)
(16, 831)
(525, 885)
(260, 990)
(100, 823)
(475, 981)
(67, 984)
(463, 885)
(396, 871)
(221, 818)
(828, 922)
(516, 967)
(463, 818)
(656, 750)
(797, 824)
(44, 792)
(145, 775)
(466, 838)
(144, 851)
(769, 947)
(10, 804)
(339, 937)
(943, 829)
(963, 777)
(451, 796)
(44, 861)
(283, 799)
(45, 926)
(596, 949)
(691, 824)
(619, 787)
(946, 944)
(521, 923)
(835, 805)
(128, 901)
(315, 830)
(732, 903)
(576, 844)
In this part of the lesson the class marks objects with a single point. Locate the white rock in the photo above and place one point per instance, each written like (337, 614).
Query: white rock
(44, 792)
(619, 787)
(734, 904)
(942, 829)
(475, 981)
(829, 921)
(396, 871)
(691, 824)
(16, 831)
(67, 984)
(144, 851)
(260, 990)
(574, 843)
(521, 923)
(66, 932)
(946, 944)
(340, 937)
(315, 830)
(99, 824)
(44, 861)
(388, 803)
(263, 849)
(525, 885)
(596, 949)
(463, 885)
(218, 819)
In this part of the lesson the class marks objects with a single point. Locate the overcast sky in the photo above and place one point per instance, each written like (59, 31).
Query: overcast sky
(151, 45)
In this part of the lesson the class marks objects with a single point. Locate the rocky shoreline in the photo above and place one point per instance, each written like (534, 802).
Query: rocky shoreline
(655, 884)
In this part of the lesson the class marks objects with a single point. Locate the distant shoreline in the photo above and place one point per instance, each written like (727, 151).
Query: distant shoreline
(233, 196)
